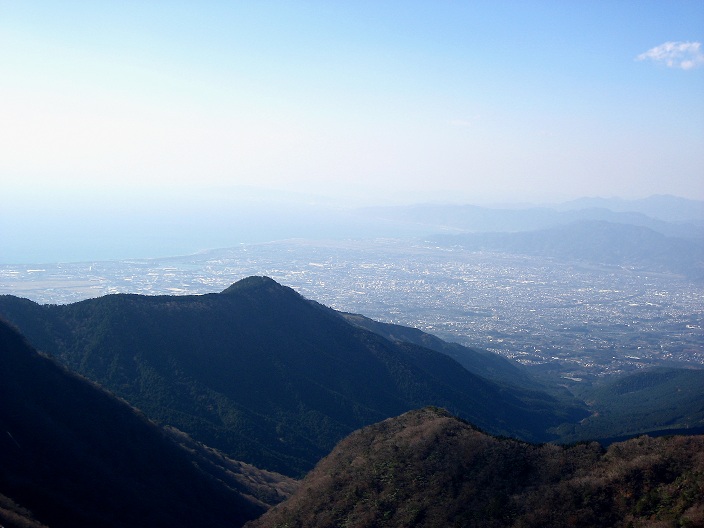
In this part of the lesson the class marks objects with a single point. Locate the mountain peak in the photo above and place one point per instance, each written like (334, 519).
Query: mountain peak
(254, 283)
(264, 293)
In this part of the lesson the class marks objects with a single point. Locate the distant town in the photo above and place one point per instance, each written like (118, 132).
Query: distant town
(575, 320)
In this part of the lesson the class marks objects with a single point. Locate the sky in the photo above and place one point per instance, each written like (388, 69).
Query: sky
(122, 106)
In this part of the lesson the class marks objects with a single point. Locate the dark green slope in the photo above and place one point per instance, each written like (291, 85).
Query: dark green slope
(658, 399)
(484, 364)
(265, 375)
(480, 362)
(74, 455)
(429, 469)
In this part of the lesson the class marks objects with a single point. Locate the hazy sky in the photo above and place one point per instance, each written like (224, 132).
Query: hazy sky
(358, 102)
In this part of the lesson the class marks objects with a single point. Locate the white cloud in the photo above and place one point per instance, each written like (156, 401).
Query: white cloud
(684, 55)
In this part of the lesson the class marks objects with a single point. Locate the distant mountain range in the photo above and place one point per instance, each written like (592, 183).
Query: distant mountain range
(595, 242)
(667, 215)
(429, 469)
(659, 233)
(105, 235)
(661, 206)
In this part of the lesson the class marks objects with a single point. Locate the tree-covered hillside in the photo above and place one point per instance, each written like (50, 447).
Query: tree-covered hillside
(654, 400)
(429, 469)
(73, 455)
(264, 374)
(481, 362)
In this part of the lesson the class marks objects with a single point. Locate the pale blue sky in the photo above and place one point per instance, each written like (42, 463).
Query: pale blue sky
(119, 103)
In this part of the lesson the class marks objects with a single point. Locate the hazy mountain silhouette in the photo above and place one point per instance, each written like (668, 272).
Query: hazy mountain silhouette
(264, 374)
(662, 207)
(451, 218)
(73, 455)
(596, 242)
(429, 469)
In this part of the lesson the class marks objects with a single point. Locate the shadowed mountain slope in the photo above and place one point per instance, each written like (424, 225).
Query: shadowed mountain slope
(652, 401)
(74, 455)
(429, 469)
(480, 362)
(265, 375)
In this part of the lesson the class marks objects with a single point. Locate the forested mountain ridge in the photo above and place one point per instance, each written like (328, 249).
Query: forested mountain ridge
(264, 374)
(280, 377)
(73, 455)
(480, 362)
(429, 469)
(654, 401)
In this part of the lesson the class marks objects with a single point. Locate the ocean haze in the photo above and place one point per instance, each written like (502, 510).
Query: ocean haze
(115, 225)
(82, 228)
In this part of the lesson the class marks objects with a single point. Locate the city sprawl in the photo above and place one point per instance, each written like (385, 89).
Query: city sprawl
(577, 320)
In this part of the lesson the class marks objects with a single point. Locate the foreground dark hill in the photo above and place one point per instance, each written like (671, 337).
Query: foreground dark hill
(73, 455)
(429, 469)
(264, 374)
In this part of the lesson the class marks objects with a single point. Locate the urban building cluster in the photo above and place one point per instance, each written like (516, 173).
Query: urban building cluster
(582, 321)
